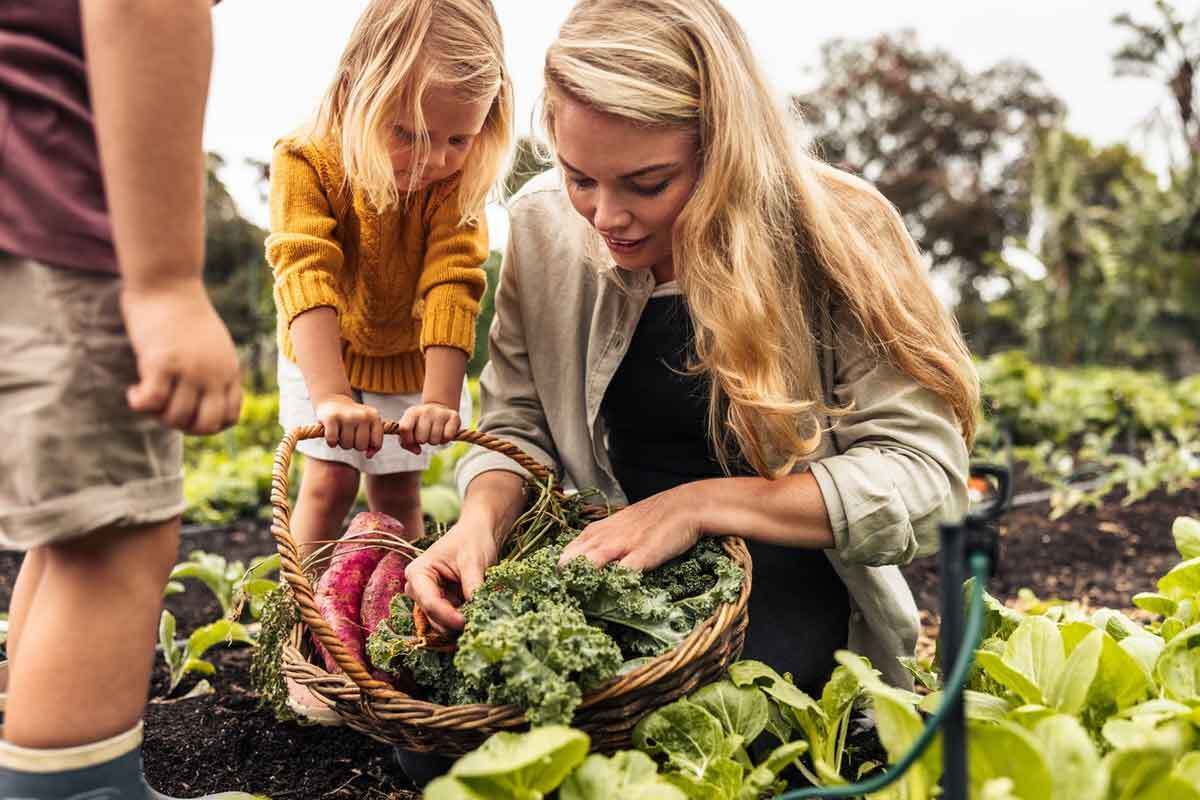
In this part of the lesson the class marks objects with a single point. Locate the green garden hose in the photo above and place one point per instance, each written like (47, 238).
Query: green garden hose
(980, 569)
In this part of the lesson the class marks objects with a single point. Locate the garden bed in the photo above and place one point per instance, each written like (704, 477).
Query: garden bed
(223, 741)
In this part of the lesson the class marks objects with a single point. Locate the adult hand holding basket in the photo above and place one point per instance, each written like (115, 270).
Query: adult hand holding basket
(608, 712)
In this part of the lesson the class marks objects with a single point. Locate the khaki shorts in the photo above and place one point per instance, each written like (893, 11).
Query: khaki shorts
(75, 458)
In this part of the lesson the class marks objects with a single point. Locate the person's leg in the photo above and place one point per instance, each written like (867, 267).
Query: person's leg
(399, 495)
(24, 589)
(327, 492)
(90, 634)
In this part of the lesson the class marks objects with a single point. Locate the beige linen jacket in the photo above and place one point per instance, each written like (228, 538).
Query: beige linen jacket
(889, 471)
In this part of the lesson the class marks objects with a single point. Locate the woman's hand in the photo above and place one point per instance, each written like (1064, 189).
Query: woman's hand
(449, 572)
(428, 423)
(643, 535)
(350, 424)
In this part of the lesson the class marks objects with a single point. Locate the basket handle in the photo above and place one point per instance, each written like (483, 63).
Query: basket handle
(289, 553)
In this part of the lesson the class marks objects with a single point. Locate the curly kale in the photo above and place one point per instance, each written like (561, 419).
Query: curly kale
(539, 636)
(390, 648)
(541, 660)
(279, 615)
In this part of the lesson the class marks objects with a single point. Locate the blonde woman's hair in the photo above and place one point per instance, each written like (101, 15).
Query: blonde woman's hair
(398, 50)
(771, 236)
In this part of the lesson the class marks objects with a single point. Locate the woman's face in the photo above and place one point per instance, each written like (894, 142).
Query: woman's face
(453, 125)
(628, 181)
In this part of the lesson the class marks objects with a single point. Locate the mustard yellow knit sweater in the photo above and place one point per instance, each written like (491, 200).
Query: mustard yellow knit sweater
(400, 281)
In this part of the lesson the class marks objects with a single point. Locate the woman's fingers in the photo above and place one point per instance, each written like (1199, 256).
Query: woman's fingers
(425, 589)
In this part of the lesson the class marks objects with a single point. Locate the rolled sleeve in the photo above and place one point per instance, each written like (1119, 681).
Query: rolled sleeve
(902, 466)
(511, 407)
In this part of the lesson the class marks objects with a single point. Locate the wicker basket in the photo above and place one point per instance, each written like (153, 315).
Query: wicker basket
(608, 713)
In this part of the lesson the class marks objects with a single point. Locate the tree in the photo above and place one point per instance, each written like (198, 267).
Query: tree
(1168, 51)
(1114, 289)
(235, 271)
(947, 146)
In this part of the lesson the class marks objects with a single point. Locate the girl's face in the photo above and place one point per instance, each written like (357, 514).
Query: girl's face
(629, 182)
(453, 125)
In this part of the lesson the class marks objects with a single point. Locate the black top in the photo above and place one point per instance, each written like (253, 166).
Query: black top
(657, 420)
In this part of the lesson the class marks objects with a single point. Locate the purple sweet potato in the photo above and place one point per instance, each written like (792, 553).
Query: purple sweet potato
(339, 591)
(385, 582)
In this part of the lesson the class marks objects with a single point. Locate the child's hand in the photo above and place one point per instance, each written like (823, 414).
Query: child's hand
(188, 373)
(428, 423)
(349, 424)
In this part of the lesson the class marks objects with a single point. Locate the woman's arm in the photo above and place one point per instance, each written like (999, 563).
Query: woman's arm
(901, 469)
(449, 572)
(788, 511)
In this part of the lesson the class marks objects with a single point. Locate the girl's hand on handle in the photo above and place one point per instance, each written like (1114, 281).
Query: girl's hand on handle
(350, 424)
(428, 423)
(449, 572)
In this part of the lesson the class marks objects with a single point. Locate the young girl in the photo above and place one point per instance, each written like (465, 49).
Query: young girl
(377, 245)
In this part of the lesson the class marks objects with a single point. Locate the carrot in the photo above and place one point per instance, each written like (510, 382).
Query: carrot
(340, 589)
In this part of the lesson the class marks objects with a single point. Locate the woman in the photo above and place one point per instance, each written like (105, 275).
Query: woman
(702, 320)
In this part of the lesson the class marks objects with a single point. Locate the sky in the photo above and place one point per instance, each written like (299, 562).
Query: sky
(274, 58)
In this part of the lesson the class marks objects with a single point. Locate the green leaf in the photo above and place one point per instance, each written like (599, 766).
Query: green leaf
(1178, 668)
(1171, 628)
(1036, 650)
(1076, 769)
(1006, 750)
(687, 735)
(1187, 770)
(921, 675)
(1121, 680)
(756, 673)
(1186, 531)
(1071, 690)
(522, 766)
(629, 775)
(1182, 581)
(740, 710)
(450, 788)
(1141, 767)
(1155, 603)
(198, 665)
(442, 503)
(722, 780)
(172, 653)
(798, 708)
(762, 777)
(899, 725)
(172, 588)
(221, 631)
(979, 705)
(211, 570)
(1028, 716)
(1009, 677)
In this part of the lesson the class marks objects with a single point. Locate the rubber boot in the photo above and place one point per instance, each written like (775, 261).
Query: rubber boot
(106, 770)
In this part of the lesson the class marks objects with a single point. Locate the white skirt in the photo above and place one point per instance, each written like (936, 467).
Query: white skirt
(295, 409)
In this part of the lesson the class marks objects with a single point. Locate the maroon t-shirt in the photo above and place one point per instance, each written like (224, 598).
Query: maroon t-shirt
(52, 205)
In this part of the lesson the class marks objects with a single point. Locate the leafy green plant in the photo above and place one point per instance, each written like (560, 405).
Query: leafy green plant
(188, 657)
(1064, 704)
(231, 583)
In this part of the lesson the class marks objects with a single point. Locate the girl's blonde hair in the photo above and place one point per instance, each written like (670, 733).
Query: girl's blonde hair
(771, 236)
(398, 50)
